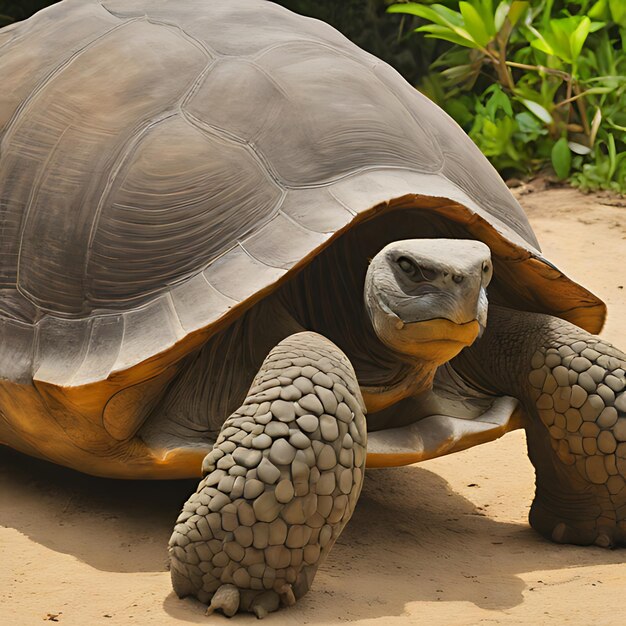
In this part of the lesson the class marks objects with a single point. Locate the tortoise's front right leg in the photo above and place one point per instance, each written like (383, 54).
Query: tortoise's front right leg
(279, 485)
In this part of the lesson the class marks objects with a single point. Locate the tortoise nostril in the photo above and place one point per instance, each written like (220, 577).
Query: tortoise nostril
(457, 278)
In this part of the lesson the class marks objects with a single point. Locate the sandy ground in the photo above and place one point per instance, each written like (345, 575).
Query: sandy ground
(445, 542)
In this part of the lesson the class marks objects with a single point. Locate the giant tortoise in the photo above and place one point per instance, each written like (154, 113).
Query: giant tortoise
(188, 186)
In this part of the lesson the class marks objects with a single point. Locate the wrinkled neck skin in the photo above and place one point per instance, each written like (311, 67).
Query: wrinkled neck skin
(500, 361)
(418, 380)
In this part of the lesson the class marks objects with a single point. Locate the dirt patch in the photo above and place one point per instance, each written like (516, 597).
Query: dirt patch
(445, 542)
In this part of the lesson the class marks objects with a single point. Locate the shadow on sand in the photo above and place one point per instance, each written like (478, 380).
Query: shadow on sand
(410, 533)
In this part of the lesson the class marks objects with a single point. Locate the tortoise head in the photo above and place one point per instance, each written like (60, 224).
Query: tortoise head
(427, 297)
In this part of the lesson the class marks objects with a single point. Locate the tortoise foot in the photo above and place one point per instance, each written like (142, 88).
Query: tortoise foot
(579, 500)
(280, 484)
(580, 523)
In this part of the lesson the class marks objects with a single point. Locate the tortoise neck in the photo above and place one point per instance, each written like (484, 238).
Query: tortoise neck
(327, 297)
(416, 381)
(500, 361)
(214, 381)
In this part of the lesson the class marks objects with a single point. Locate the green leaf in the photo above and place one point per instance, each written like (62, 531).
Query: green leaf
(501, 14)
(485, 11)
(537, 109)
(578, 148)
(446, 24)
(561, 158)
(512, 11)
(612, 155)
(450, 16)
(543, 45)
(495, 139)
(464, 75)
(518, 8)
(498, 101)
(578, 37)
(618, 12)
(565, 38)
(529, 124)
(474, 24)
(559, 38)
(460, 112)
(437, 13)
(442, 32)
(599, 10)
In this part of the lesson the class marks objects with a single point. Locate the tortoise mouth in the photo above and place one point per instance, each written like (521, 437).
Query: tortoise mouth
(434, 341)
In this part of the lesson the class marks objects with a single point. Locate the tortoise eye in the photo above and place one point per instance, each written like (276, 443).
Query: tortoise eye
(406, 265)
(416, 272)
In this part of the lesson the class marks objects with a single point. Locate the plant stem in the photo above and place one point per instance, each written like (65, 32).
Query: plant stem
(582, 108)
(571, 99)
(540, 68)
(568, 96)
(503, 40)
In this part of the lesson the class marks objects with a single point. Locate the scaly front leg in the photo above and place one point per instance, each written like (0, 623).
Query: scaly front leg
(573, 386)
(577, 383)
(280, 484)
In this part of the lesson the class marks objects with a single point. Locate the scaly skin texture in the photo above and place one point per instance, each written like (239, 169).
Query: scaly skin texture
(280, 483)
(573, 387)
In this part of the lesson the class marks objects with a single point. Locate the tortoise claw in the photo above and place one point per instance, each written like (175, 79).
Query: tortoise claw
(287, 596)
(226, 599)
(560, 533)
(604, 541)
(583, 535)
(265, 603)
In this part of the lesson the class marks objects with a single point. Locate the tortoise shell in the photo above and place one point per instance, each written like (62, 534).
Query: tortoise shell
(166, 164)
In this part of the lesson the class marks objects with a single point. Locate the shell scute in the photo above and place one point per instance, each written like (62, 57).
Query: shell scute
(304, 144)
(61, 150)
(16, 360)
(185, 197)
(282, 243)
(239, 276)
(316, 209)
(197, 303)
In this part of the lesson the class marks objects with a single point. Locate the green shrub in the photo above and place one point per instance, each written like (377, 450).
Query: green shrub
(534, 83)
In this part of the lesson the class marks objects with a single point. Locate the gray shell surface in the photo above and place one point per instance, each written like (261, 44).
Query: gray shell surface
(164, 161)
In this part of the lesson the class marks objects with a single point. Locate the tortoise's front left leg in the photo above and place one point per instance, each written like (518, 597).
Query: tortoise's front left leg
(578, 445)
(279, 485)
(573, 386)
